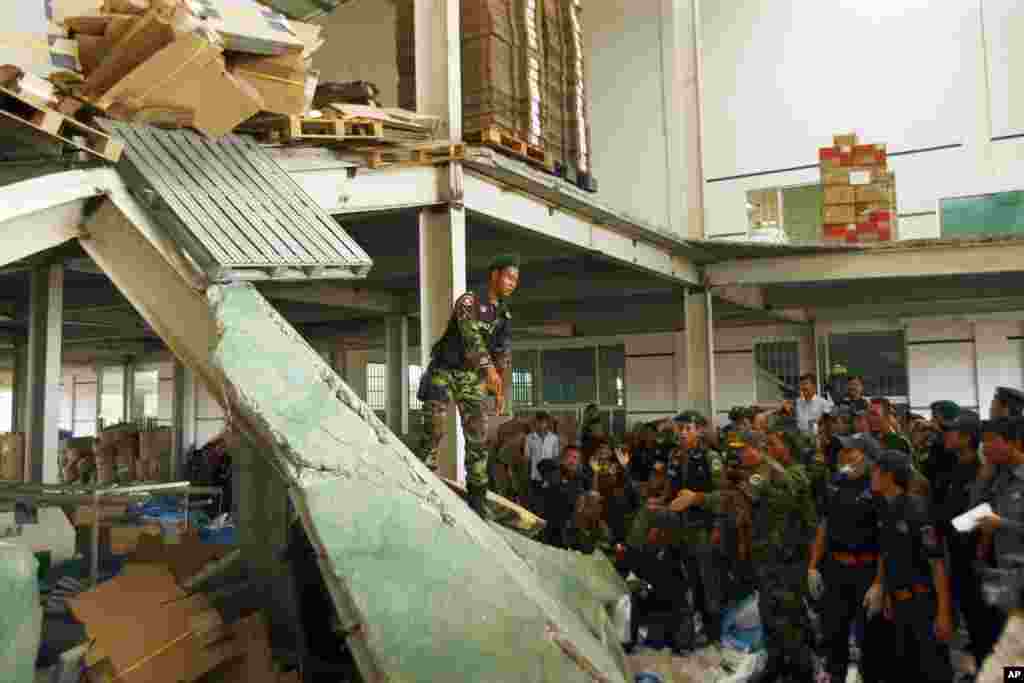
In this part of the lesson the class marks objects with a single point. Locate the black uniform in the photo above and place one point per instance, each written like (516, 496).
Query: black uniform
(909, 542)
(696, 474)
(665, 604)
(983, 621)
(850, 514)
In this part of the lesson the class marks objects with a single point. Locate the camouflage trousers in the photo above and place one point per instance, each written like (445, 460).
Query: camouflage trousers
(461, 387)
(784, 619)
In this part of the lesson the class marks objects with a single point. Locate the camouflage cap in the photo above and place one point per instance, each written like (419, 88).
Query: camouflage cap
(945, 411)
(690, 417)
(504, 261)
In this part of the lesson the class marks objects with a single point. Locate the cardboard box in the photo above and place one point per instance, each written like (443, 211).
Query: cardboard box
(874, 192)
(844, 139)
(85, 515)
(92, 50)
(835, 232)
(124, 539)
(839, 194)
(247, 26)
(150, 631)
(861, 176)
(835, 176)
(142, 39)
(188, 75)
(280, 81)
(840, 213)
(184, 559)
(869, 155)
(12, 456)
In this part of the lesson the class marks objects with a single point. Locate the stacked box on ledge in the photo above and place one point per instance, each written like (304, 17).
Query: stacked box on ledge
(859, 192)
(522, 81)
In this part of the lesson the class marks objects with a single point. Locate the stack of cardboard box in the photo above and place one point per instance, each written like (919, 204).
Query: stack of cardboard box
(522, 80)
(12, 456)
(859, 192)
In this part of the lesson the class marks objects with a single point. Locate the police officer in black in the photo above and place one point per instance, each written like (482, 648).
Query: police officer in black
(845, 555)
(663, 601)
(1007, 403)
(695, 470)
(914, 586)
(955, 489)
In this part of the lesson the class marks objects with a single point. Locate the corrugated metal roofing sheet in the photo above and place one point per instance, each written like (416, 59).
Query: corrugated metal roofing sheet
(236, 212)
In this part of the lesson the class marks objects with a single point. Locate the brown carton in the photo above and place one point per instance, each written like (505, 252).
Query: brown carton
(839, 176)
(840, 213)
(92, 50)
(144, 38)
(280, 81)
(844, 139)
(186, 75)
(12, 456)
(875, 192)
(839, 194)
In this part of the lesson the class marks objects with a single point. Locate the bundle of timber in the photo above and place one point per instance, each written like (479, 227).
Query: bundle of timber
(204, 64)
(859, 191)
(354, 92)
(523, 81)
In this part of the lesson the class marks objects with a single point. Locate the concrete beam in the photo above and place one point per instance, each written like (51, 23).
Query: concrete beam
(700, 353)
(44, 212)
(753, 298)
(331, 294)
(895, 261)
(489, 199)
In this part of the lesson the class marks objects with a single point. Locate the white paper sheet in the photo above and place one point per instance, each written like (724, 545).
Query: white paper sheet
(969, 520)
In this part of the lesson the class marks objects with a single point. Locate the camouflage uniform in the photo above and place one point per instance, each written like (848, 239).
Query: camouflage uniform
(780, 514)
(477, 338)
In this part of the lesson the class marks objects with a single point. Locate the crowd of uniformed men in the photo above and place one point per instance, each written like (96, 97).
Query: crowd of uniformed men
(842, 507)
(846, 505)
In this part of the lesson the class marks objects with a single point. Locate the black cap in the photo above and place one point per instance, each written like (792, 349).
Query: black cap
(1012, 397)
(862, 442)
(945, 411)
(892, 461)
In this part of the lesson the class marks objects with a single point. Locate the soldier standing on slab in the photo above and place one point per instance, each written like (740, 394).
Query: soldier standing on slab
(464, 364)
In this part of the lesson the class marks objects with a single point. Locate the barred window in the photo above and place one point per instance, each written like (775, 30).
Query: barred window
(777, 369)
(415, 373)
(376, 385)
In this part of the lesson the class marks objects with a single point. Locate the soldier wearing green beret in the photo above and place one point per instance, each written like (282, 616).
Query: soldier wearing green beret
(466, 362)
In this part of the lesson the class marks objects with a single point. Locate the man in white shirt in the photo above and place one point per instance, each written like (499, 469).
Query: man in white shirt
(541, 444)
(809, 406)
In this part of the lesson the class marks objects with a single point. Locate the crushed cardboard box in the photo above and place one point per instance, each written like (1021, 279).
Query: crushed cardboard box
(184, 559)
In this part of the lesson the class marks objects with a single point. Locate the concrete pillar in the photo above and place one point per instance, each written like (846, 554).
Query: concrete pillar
(46, 312)
(128, 390)
(183, 415)
(99, 397)
(20, 389)
(685, 29)
(442, 238)
(699, 351)
(442, 280)
(397, 393)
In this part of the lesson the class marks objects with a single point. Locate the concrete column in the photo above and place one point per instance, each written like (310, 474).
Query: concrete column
(442, 280)
(99, 397)
(699, 351)
(46, 312)
(442, 238)
(20, 389)
(397, 395)
(686, 31)
(128, 390)
(183, 415)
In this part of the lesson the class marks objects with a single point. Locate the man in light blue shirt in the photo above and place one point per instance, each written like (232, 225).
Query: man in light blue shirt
(809, 406)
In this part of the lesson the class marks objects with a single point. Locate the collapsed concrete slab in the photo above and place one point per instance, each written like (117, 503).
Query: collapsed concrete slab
(425, 589)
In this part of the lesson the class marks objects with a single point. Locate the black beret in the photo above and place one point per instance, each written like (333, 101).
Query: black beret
(1008, 395)
(505, 261)
(893, 461)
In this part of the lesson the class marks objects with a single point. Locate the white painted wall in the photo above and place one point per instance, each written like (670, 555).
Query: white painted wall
(360, 46)
(909, 74)
(624, 80)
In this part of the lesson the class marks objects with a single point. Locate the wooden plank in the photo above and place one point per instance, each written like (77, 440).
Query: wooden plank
(53, 124)
(499, 139)
(417, 156)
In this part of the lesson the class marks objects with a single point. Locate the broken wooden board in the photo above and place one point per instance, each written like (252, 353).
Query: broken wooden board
(313, 129)
(505, 511)
(420, 581)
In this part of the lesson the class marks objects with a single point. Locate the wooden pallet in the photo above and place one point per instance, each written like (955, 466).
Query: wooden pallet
(417, 156)
(55, 126)
(495, 137)
(303, 128)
